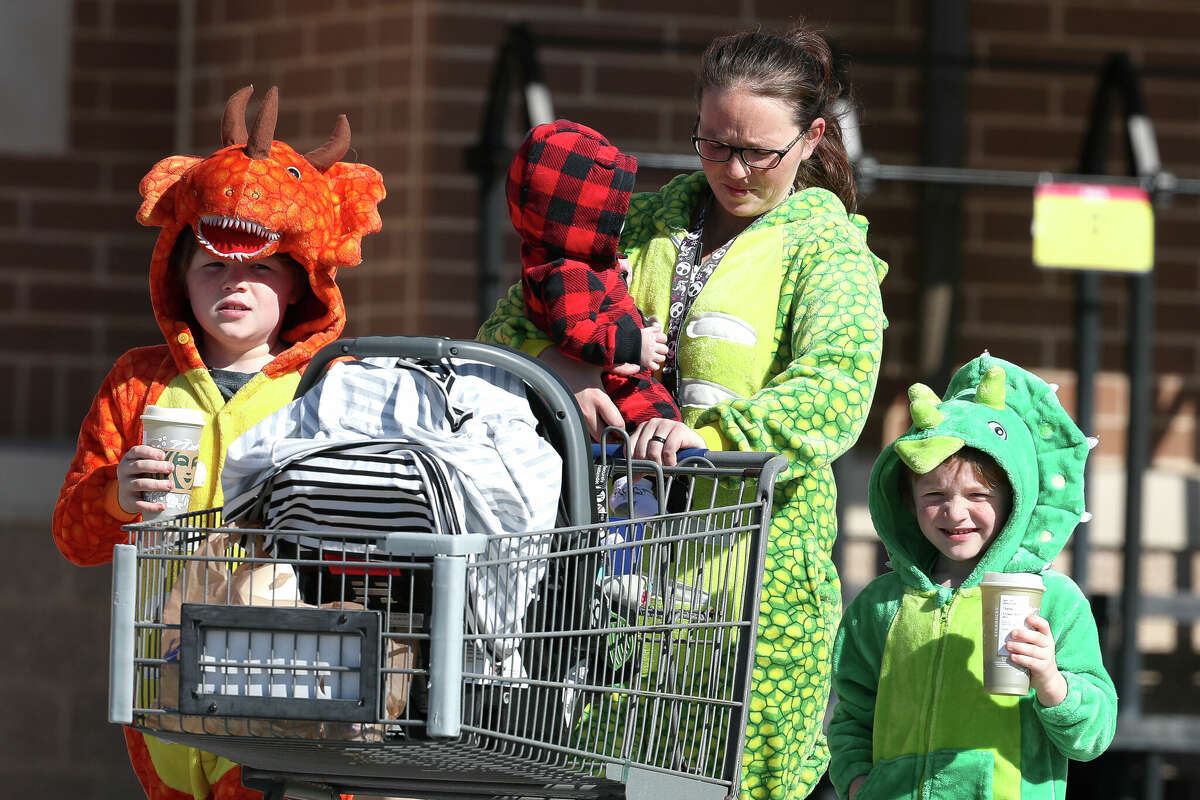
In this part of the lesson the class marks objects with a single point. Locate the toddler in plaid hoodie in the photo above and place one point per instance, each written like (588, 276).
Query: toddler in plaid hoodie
(568, 191)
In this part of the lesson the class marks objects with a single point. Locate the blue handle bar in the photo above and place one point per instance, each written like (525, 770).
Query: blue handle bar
(615, 451)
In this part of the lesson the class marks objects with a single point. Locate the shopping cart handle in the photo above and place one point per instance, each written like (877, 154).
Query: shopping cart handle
(617, 451)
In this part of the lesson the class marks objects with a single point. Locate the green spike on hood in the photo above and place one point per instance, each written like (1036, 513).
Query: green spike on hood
(991, 389)
(922, 406)
(1009, 413)
(922, 455)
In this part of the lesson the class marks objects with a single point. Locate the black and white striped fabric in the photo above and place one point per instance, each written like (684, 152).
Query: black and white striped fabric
(377, 486)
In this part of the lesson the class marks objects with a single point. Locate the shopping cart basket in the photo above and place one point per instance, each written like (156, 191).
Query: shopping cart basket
(628, 675)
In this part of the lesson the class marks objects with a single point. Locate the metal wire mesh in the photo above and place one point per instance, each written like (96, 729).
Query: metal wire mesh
(633, 648)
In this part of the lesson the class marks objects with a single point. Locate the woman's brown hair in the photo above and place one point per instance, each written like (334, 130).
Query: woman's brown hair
(797, 68)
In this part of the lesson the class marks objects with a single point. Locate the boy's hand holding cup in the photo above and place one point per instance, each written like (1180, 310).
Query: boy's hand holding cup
(170, 445)
(1017, 642)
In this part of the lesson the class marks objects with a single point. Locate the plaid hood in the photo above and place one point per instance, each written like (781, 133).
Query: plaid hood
(568, 191)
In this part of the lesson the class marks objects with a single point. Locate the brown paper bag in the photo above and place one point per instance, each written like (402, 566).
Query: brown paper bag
(265, 584)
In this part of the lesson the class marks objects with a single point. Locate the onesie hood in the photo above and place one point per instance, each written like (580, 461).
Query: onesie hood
(1015, 417)
(253, 198)
(568, 190)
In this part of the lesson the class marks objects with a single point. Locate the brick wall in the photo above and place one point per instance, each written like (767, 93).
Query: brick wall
(412, 75)
(413, 78)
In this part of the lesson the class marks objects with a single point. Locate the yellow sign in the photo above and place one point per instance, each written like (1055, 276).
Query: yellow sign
(1092, 226)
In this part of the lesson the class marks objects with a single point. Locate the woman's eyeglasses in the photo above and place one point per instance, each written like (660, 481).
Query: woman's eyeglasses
(753, 157)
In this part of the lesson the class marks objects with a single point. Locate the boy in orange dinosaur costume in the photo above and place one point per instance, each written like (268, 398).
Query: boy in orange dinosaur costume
(242, 284)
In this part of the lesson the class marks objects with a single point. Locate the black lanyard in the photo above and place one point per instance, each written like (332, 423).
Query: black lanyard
(690, 276)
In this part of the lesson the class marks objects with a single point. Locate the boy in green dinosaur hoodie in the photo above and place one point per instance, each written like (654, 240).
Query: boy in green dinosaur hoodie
(990, 478)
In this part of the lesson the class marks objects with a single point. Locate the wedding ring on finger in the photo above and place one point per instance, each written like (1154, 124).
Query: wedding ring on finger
(659, 439)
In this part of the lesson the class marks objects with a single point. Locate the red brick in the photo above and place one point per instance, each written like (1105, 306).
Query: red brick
(1177, 232)
(342, 37)
(254, 11)
(107, 55)
(989, 96)
(301, 9)
(1040, 143)
(303, 82)
(125, 336)
(124, 134)
(161, 16)
(649, 80)
(446, 323)
(38, 423)
(83, 297)
(130, 259)
(1147, 23)
(86, 94)
(82, 214)
(1171, 101)
(221, 48)
(830, 16)
(10, 212)
(150, 96)
(45, 338)
(883, 138)
(22, 252)
(86, 14)
(9, 377)
(1175, 275)
(46, 172)
(282, 44)
(997, 15)
(606, 39)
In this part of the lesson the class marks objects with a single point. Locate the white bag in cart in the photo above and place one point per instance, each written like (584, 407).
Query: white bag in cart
(391, 444)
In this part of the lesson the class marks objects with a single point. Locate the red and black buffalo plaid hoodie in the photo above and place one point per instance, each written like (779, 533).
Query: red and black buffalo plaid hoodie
(568, 191)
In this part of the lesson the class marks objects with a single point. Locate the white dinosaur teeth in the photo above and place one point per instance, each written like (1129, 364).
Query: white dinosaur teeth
(1085, 516)
(1053, 387)
(1092, 441)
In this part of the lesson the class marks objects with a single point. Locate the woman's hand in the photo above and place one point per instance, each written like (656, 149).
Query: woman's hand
(1034, 650)
(599, 411)
(135, 474)
(660, 439)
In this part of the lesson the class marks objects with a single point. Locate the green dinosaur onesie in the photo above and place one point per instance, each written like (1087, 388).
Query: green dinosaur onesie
(912, 713)
(780, 352)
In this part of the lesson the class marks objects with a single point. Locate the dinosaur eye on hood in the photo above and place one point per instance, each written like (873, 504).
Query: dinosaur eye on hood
(294, 172)
(998, 429)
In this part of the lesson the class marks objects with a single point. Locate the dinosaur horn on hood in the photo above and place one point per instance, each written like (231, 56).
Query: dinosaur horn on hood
(233, 121)
(922, 407)
(332, 151)
(259, 143)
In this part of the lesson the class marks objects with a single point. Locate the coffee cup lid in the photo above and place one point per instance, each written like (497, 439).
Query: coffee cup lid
(1015, 580)
(174, 416)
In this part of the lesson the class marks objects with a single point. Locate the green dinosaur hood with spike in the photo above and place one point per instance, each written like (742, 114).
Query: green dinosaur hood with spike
(1013, 416)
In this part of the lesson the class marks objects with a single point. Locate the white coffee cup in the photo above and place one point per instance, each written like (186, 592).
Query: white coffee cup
(175, 431)
(1008, 598)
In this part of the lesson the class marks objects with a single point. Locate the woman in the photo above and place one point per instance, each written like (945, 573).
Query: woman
(772, 308)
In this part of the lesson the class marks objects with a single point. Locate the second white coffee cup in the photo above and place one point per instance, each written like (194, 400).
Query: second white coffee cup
(1008, 598)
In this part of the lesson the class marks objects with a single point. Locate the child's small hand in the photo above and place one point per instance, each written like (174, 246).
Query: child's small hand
(654, 347)
(855, 785)
(135, 474)
(1034, 650)
(624, 268)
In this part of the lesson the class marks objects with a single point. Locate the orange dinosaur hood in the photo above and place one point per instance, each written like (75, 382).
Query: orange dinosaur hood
(255, 197)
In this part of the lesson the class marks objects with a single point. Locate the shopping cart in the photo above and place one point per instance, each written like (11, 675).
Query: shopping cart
(356, 665)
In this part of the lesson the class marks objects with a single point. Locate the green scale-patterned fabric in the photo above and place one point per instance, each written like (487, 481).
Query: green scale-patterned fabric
(787, 334)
